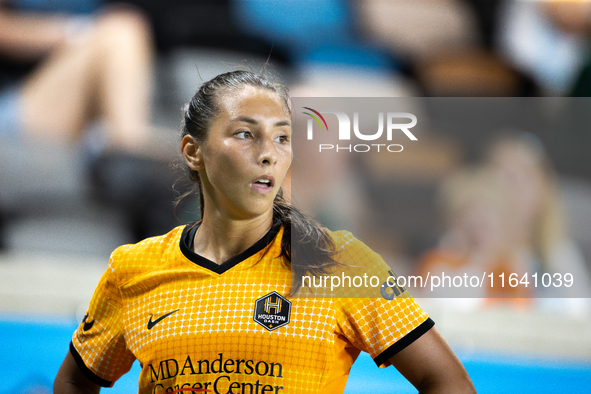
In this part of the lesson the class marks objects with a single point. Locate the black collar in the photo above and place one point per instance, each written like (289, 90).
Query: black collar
(188, 238)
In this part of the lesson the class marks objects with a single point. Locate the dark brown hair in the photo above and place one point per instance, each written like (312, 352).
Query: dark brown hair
(312, 247)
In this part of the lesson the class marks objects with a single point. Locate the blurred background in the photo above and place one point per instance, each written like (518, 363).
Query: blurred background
(90, 98)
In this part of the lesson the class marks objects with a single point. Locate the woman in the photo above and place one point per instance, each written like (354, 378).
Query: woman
(83, 68)
(85, 81)
(211, 307)
(538, 230)
(477, 209)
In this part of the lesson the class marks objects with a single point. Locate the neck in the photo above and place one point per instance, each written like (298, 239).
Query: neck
(220, 238)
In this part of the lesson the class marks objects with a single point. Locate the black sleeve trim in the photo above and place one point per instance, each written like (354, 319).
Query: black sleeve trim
(86, 371)
(404, 342)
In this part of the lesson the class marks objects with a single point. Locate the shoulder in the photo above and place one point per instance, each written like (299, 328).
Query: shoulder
(148, 252)
(340, 236)
(348, 246)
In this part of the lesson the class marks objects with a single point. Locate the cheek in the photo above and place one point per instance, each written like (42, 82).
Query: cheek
(286, 157)
(224, 169)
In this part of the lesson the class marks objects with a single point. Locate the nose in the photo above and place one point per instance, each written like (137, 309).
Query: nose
(267, 152)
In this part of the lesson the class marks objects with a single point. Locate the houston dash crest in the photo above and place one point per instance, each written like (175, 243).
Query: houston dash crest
(272, 311)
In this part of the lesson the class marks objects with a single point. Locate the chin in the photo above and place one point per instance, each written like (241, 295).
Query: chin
(255, 211)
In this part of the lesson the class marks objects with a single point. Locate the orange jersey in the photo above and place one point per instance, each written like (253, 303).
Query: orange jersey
(230, 328)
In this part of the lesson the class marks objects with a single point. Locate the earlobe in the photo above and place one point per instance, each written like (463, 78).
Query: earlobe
(191, 152)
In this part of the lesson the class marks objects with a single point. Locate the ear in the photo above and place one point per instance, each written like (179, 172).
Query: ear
(192, 153)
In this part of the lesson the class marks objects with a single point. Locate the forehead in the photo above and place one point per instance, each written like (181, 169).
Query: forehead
(252, 100)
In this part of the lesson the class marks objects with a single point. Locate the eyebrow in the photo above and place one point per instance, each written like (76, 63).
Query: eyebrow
(250, 120)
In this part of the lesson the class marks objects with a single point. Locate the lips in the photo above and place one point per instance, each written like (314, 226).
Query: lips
(264, 184)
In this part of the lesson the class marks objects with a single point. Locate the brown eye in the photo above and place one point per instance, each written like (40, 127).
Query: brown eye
(283, 139)
(244, 134)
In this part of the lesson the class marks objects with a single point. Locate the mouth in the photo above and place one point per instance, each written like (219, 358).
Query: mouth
(264, 184)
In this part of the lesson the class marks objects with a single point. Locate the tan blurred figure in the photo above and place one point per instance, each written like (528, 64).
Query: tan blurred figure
(537, 229)
(97, 67)
(92, 73)
(477, 210)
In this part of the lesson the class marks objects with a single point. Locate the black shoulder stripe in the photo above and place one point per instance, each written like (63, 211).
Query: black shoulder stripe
(86, 371)
(404, 342)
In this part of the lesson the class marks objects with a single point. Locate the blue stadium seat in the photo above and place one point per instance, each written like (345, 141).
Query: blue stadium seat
(311, 31)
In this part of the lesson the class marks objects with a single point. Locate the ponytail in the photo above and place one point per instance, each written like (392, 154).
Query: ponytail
(312, 250)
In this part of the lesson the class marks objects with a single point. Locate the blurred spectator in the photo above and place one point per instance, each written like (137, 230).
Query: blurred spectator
(544, 40)
(573, 17)
(476, 207)
(63, 72)
(445, 45)
(85, 68)
(506, 218)
(537, 229)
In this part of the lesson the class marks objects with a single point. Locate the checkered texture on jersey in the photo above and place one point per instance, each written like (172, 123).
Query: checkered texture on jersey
(213, 323)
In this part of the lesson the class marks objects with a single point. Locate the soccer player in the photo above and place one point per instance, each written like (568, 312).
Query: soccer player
(211, 307)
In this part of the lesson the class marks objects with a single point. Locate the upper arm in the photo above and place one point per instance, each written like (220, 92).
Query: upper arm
(71, 380)
(98, 345)
(432, 366)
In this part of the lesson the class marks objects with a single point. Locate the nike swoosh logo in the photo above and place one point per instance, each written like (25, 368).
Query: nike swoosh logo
(153, 323)
(87, 325)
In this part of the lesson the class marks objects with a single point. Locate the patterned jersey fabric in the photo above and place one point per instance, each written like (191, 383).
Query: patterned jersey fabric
(231, 328)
